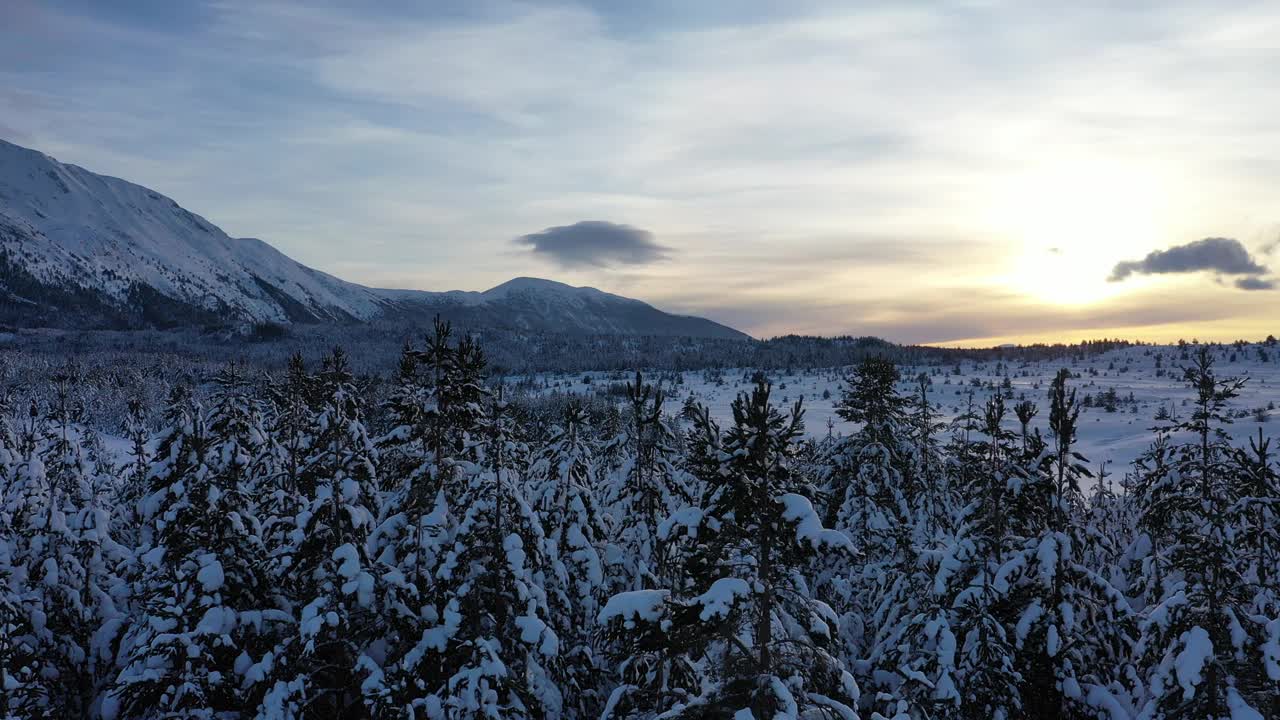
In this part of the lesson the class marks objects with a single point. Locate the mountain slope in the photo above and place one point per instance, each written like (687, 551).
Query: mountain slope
(78, 249)
(540, 305)
(64, 227)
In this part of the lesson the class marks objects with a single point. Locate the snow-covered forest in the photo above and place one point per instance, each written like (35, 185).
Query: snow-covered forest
(439, 544)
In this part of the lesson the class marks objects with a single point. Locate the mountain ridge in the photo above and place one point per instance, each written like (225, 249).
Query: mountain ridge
(80, 249)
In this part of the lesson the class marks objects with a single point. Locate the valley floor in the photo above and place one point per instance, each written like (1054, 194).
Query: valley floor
(1144, 379)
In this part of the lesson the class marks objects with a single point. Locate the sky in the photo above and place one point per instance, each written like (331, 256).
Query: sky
(954, 172)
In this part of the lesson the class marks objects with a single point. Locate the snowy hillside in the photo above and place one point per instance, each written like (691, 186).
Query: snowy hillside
(62, 226)
(78, 249)
(547, 306)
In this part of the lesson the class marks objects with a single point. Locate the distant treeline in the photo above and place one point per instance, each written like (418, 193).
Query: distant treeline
(515, 352)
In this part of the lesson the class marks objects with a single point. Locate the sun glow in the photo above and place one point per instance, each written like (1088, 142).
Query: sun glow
(1073, 221)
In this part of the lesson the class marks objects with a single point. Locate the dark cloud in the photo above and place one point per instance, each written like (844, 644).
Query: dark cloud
(1221, 255)
(595, 243)
(1255, 283)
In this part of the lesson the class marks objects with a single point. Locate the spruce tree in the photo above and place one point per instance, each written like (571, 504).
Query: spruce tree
(911, 657)
(434, 412)
(201, 597)
(564, 480)
(289, 419)
(934, 501)
(491, 650)
(70, 559)
(990, 465)
(873, 486)
(23, 693)
(321, 665)
(294, 398)
(1201, 646)
(10, 454)
(766, 642)
(871, 498)
(645, 488)
(132, 485)
(1074, 629)
(1257, 482)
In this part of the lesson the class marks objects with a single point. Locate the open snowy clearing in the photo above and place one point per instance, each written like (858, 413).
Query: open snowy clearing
(1144, 379)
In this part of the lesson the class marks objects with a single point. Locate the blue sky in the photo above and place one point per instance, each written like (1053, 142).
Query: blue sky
(934, 172)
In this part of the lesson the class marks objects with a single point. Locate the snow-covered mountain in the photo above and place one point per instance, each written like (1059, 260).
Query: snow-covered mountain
(78, 249)
(127, 253)
(545, 305)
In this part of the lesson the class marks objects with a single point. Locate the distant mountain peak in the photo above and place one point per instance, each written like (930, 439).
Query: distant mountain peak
(547, 287)
(86, 250)
(526, 284)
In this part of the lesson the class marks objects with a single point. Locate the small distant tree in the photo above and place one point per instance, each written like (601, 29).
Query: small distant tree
(647, 487)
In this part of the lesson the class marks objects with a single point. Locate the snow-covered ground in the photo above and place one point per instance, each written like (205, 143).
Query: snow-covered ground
(1150, 375)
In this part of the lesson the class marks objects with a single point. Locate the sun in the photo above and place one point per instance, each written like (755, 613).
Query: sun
(1070, 222)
